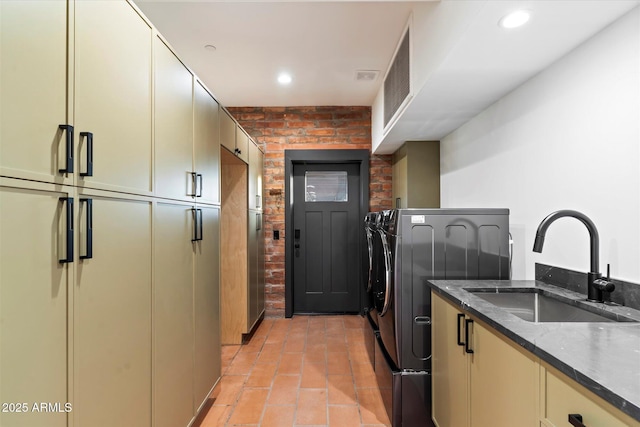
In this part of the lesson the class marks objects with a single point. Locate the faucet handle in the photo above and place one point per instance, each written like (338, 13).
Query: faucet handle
(605, 284)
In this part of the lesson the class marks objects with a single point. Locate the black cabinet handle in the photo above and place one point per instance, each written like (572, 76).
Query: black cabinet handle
(194, 184)
(69, 232)
(89, 136)
(460, 317)
(467, 346)
(257, 200)
(199, 185)
(68, 148)
(576, 420)
(89, 248)
(258, 222)
(197, 225)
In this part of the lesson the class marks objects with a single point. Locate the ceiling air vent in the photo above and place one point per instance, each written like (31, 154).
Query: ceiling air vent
(397, 83)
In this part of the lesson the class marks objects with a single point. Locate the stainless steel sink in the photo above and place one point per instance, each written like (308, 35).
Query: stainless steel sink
(535, 305)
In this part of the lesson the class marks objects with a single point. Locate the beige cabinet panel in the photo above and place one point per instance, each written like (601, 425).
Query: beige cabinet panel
(33, 302)
(207, 305)
(206, 144)
(113, 94)
(227, 131)
(242, 144)
(450, 370)
(256, 161)
(33, 99)
(173, 123)
(112, 322)
(173, 315)
(252, 248)
(564, 396)
(500, 372)
(260, 265)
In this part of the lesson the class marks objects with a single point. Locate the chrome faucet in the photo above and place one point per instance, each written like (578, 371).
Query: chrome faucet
(595, 283)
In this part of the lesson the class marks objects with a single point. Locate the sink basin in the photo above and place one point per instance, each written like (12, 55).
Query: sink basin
(535, 305)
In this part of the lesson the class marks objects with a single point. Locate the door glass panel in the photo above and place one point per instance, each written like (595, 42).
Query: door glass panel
(325, 186)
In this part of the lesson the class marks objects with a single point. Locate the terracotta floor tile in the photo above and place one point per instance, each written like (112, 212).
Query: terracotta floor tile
(284, 390)
(295, 342)
(354, 322)
(338, 363)
(364, 375)
(262, 375)
(314, 374)
(290, 363)
(216, 417)
(270, 353)
(250, 406)
(278, 416)
(242, 363)
(343, 416)
(276, 338)
(341, 390)
(312, 407)
(371, 406)
(228, 389)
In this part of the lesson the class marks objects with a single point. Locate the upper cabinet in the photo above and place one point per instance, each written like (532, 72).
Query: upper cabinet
(256, 161)
(206, 145)
(33, 99)
(232, 137)
(416, 175)
(173, 124)
(113, 90)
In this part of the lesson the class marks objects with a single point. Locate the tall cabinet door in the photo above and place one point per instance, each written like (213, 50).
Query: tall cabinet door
(206, 145)
(173, 315)
(112, 322)
(252, 249)
(173, 124)
(260, 264)
(207, 305)
(33, 302)
(227, 131)
(113, 45)
(256, 160)
(33, 99)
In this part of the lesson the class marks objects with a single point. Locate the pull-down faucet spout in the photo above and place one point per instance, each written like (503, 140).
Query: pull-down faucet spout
(595, 284)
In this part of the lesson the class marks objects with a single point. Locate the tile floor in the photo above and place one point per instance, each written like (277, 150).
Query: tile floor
(303, 371)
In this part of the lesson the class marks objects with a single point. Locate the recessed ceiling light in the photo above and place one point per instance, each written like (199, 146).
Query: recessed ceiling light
(515, 19)
(284, 78)
(210, 47)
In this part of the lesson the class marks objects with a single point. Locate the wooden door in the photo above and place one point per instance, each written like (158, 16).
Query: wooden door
(173, 123)
(449, 366)
(33, 99)
(112, 321)
(173, 364)
(326, 224)
(207, 305)
(34, 290)
(113, 45)
(206, 145)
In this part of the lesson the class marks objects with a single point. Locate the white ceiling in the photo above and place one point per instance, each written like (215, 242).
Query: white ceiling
(323, 43)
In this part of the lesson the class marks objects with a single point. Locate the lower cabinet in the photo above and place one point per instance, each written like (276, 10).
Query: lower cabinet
(256, 268)
(186, 316)
(563, 397)
(479, 378)
(112, 314)
(34, 295)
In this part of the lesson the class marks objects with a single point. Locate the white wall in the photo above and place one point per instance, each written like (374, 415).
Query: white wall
(567, 139)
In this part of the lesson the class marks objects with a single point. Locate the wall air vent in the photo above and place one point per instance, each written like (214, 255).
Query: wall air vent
(397, 83)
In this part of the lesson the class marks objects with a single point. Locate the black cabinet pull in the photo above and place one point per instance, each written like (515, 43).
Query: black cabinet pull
(194, 184)
(89, 136)
(467, 346)
(257, 200)
(576, 420)
(69, 232)
(460, 317)
(258, 222)
(198, 185)
(197, 224)
(89, 248)
(68, 148)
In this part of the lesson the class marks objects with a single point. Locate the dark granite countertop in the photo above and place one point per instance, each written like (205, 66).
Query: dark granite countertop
(602, 357)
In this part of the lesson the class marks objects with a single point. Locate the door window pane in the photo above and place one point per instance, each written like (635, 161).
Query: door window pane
(325, 186)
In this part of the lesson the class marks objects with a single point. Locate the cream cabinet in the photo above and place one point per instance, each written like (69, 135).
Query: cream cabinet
(173, 123)
(416, 175)
(113, 96)
(563, 397)
(34, 297)
(33, 99)
(256, 164)
(112, 311)
(233, 137)
(242, 144)
(255, 293)
(206, 145)
(481, 362)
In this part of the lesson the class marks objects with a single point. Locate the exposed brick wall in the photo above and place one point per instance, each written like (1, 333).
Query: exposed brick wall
(286, 128)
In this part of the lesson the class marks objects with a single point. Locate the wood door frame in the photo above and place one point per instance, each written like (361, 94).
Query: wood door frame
(292, 157)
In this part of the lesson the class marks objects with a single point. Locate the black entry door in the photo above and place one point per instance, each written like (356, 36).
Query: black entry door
(326, 225)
